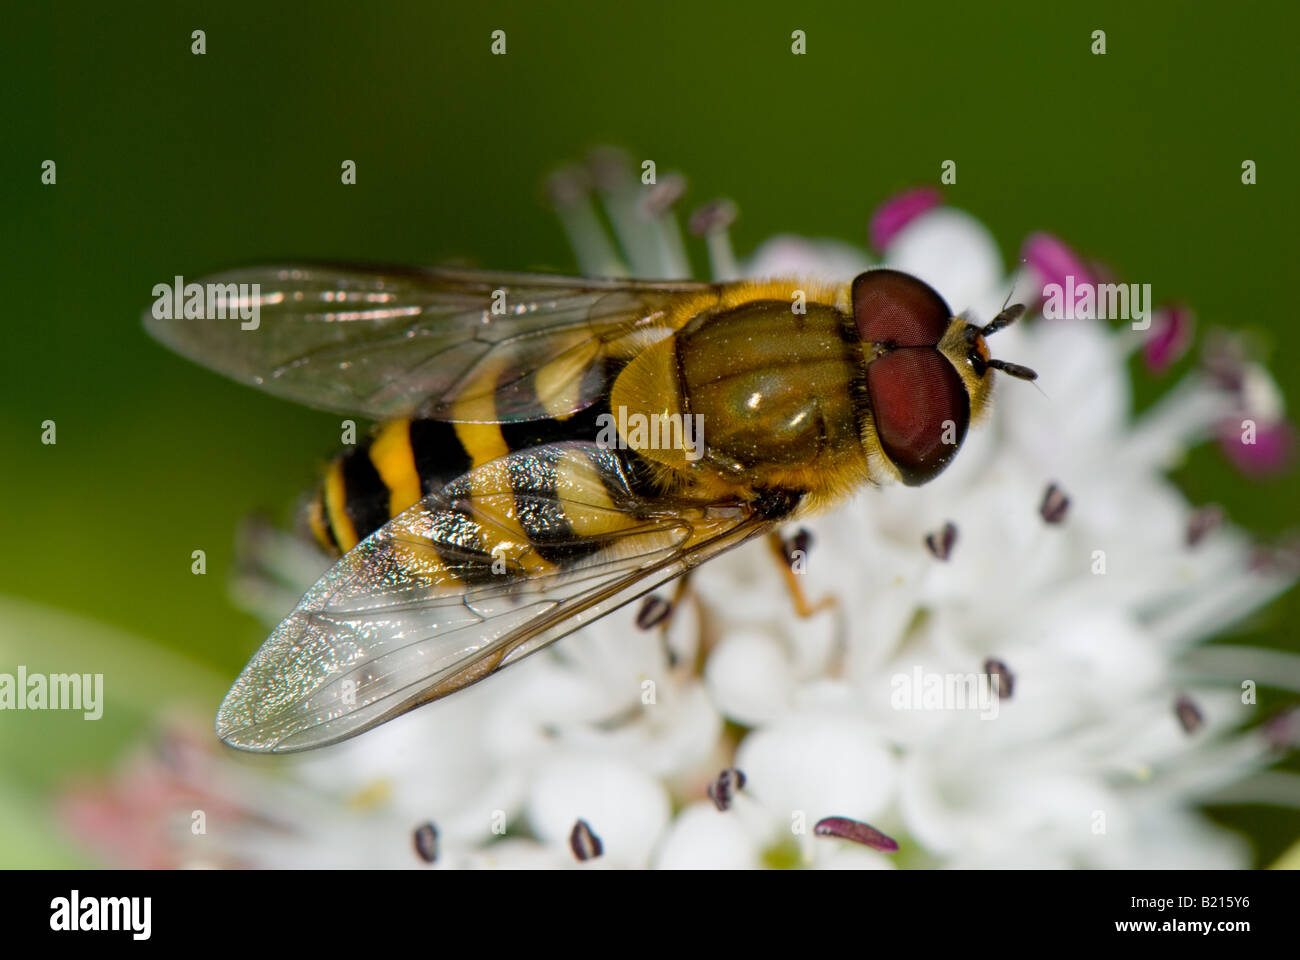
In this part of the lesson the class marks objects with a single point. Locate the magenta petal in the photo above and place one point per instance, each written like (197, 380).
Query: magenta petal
(1053, 260)
(898, 211)
(1269, 454)
(1171, 335)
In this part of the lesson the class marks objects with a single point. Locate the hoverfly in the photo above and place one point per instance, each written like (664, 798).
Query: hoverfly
(486, 517)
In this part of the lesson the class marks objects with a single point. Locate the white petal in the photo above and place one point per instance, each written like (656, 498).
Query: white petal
(749, 678)
(702, 838)
(818, 763)
(625, 807)
(789, 255)
(833, 855)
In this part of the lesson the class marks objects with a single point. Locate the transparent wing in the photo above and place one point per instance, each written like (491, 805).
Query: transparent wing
(385, 342)
(510, 557)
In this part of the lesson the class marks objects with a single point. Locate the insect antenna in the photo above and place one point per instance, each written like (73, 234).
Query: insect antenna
(1004, 319)
(1008, 316)
(1012, 292)
(1013, 369)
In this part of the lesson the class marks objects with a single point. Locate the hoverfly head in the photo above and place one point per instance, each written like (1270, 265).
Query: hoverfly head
(927, 371)
(920, 401)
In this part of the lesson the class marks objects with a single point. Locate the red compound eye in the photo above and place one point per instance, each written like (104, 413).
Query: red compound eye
(921, 410)
(895, 308)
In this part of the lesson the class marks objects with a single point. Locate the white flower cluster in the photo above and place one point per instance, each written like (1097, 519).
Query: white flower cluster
(1089, 606)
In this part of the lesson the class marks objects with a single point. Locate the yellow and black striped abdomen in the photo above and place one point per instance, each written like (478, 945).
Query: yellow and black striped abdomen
(381, 476)
(404, 460)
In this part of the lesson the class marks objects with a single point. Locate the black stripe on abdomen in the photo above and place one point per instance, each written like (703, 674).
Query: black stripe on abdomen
(366, 494)
(583, 425)
(540, 512)
(457, 539)
(438, 454)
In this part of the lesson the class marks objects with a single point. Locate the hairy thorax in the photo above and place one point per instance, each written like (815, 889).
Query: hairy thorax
(772, 389)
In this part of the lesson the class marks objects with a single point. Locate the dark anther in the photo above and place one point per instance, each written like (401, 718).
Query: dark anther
(1006, 682)
(426, 842)
(654, 611)
(1189, 714)
(585, 844)
(724, 787)
(855, 830)
(713, 217)
(941, 543)
(1054, 505)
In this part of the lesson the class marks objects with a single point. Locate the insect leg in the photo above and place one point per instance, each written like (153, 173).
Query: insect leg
(788, 565)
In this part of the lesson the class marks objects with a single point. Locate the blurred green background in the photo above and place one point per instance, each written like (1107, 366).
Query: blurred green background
(173, 163)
